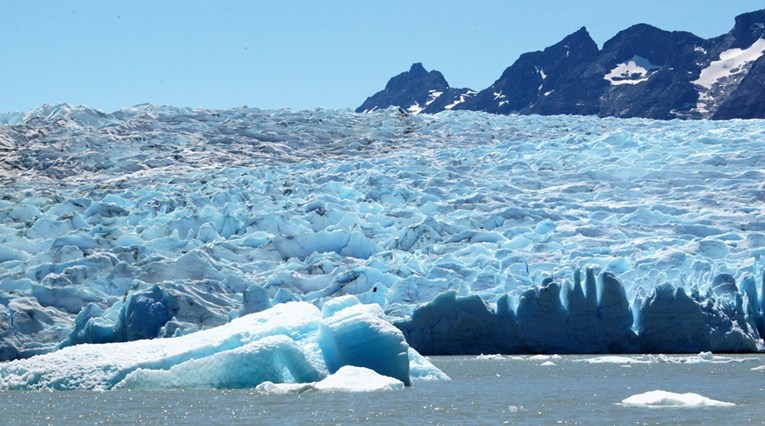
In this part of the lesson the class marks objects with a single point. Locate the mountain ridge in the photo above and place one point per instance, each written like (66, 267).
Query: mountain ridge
(642, 71)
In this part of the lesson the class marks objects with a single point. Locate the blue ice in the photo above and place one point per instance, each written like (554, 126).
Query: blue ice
(292, 342)
(157, 221)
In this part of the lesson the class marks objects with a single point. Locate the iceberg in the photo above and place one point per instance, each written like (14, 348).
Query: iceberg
(357, 379)
(660, 398)
(347, 379)
(282, 344)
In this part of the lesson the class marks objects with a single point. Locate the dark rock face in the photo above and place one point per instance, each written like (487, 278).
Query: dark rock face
(665, 89)
(416, 90)
(531, 83)
(749, 27)
(642, 71)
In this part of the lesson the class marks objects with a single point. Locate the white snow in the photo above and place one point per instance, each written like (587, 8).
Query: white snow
(433, 95)
(731, 62)
(461, 99)
(724, 74)
(455, 103)
(660, 398)
(636, 70)
(415, 108)
(498, 96)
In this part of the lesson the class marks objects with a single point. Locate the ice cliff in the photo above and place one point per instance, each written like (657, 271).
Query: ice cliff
(590, 317)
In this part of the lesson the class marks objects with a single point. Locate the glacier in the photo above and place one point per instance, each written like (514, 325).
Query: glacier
(511, 234)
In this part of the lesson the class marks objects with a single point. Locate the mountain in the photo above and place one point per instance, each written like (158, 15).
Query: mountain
(643, 71)
(418, 91)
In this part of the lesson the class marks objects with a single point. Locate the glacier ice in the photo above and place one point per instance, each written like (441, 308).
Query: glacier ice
(554, 318)
(349, 336)
(157, 221)
(283, 344)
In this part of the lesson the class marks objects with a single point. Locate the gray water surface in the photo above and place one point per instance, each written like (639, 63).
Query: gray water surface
(508, 390)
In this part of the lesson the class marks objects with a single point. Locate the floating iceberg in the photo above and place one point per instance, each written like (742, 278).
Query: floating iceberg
(357, 379)
(347, 379)
(154, 222)
(660, 398)
(279, 345)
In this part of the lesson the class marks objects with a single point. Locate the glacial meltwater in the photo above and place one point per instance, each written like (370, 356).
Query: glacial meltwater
(483, 390)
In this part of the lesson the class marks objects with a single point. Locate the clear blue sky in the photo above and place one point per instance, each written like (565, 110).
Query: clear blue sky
(294, 53)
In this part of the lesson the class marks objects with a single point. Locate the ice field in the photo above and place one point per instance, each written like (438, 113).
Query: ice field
(159, 221)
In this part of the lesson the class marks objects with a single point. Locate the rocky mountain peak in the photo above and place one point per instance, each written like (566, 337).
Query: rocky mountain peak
(643, 71)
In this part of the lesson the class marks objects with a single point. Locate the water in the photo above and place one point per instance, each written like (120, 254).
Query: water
(510, 390)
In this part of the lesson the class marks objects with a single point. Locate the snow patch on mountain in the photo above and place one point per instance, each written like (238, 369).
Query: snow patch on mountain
(724, 74)
(462, 98)
(636, 70)
(731, 62)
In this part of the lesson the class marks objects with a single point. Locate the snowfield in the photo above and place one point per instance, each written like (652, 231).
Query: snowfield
(159, 221)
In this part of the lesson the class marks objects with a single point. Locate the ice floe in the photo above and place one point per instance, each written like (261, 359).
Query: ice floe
(660, 398)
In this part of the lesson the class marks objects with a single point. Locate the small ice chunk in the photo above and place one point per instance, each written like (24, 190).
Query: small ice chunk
(350, 378)
(660, 398)
(489, 357)
(272, 388)
(616, 359)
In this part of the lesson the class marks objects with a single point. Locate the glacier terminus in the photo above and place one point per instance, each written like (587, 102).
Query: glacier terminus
(200, 239)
